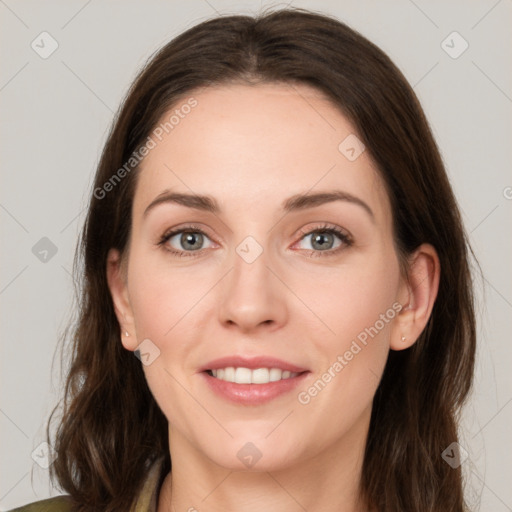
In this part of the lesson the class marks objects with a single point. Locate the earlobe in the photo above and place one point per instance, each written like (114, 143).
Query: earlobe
(418, 294)
(117, 284)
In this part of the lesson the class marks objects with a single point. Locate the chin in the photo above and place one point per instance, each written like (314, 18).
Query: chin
(254, 456)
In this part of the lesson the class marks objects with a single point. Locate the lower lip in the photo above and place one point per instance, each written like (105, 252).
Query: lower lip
(253, 394)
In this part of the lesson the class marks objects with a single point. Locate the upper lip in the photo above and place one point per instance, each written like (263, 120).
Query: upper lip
(252, 363)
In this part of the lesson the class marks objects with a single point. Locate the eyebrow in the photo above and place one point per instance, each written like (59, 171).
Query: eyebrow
(293, 203)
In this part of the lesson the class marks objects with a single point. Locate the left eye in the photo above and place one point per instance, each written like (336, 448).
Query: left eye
(324, 239)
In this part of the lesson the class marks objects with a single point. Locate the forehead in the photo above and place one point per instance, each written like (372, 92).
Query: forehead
(254, 143)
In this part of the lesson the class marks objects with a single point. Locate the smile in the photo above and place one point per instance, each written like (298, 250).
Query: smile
(251, 381)
(243, 375)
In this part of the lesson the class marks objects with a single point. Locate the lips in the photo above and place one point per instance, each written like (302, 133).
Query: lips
(252, 381)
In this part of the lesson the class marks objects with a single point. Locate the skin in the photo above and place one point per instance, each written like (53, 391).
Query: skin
(252, 147)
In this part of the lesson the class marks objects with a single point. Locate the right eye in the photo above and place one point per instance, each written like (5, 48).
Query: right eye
(185, 241)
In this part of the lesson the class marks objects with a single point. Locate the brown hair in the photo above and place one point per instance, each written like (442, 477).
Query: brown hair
(112, 429)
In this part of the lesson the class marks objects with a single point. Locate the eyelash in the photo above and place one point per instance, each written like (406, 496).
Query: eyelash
(325, 228)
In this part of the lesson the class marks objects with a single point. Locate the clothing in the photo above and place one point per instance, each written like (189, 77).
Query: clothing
(146, 501)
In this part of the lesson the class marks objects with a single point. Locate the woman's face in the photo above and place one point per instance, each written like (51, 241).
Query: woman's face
(256, 277)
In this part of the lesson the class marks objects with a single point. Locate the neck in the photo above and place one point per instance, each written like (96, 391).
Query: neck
(328, 481)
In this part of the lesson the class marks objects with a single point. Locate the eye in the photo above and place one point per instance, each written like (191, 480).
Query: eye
(326, 240)
(185, 241)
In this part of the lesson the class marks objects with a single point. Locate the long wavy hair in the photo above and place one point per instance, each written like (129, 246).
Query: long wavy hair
(111, 429)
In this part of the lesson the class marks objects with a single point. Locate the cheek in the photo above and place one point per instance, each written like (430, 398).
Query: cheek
(355, 298)
(358, 305)
(163, 307)
(160, 298)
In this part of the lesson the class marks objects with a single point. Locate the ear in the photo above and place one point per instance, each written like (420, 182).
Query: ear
(418, 292)
(117, 283)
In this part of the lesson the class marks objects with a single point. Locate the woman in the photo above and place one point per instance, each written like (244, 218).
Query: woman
(312, 347)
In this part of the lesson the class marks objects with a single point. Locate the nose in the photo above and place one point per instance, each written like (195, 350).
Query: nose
(252, 296)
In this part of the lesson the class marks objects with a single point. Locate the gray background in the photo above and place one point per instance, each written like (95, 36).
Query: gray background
(55, 116)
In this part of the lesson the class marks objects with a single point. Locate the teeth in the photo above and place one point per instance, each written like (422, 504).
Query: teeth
(242, 376)
(260, 376)
(229, 374)
(275, 374)
(248, 376)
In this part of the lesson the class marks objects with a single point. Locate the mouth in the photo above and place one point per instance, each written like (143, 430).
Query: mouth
(252, 381)
(243, 375)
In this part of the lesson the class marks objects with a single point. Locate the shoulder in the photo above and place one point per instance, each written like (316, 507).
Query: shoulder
(56, 504)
